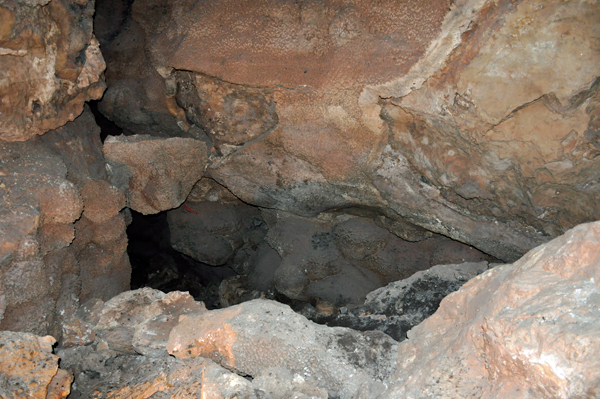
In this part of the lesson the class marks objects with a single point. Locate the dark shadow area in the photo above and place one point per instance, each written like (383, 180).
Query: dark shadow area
(157, 265)
(108, 127)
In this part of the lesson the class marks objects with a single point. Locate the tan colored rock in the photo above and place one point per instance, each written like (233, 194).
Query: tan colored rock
(28, 367)
(140, 321)
(530, 329)
(102, 201)
(52, 257)
(257, 335)
(156, 174)
(50, 64)
(473, 119)
(60, 385)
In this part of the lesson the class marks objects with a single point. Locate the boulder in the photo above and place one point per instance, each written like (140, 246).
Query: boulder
(29, 369)
(261, 334)
(529, 329)
(155, 174)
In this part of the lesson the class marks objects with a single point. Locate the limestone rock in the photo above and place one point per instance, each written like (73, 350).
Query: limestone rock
(156, 174)
(214, 233)
(133, 376)
(28, 369)
(261, 334)
(50, 65)
(139, 321)
(482, 131)
(401, 305)
(341, 260)
(530, 329)
(51, 255)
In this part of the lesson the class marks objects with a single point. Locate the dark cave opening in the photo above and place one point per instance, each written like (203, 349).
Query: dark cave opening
(156, 264)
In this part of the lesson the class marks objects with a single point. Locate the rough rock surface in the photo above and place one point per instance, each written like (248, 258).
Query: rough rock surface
(261, 334)
(50, 64)
(28, 369)
(341, 260)
(474, 119)
(156, 174)
(401, 305)
(59, 244)
(214, 232)
(526, 330)
(134, 322)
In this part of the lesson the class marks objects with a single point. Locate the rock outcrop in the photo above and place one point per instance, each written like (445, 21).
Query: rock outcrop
(525, 330)
(472, 119)
(62, 232)
(50, 65)
(530, 329)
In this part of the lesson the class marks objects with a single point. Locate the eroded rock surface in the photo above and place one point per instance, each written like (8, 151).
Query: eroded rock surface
(526, 330)
(261, 334)
(59, 242)
(50, 64)
(472, 119)
(155, 174)
(29, 369)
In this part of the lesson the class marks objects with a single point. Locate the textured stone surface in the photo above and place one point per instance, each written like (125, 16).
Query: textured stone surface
(472, 119)
(102, 375)
(527, 330)
(398, 307)
(137, 321)
(28, 368)
(50, 64)
(341, 260)
(156, 174)
(51, 254)
(260, 334)
(217, 234)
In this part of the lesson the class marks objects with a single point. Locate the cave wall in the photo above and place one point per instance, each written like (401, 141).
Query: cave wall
(472, 119)
(62, 231)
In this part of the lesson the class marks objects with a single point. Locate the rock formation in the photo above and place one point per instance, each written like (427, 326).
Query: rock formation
(51, 65)
(368, 164)
(525, 330)
(63, 232)
(471, 119)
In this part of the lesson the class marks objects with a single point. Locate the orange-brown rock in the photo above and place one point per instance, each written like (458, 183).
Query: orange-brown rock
(28, 369)
(50, 64)
(472, 119)
(156, 174)
(51, 255)
(526, 330)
